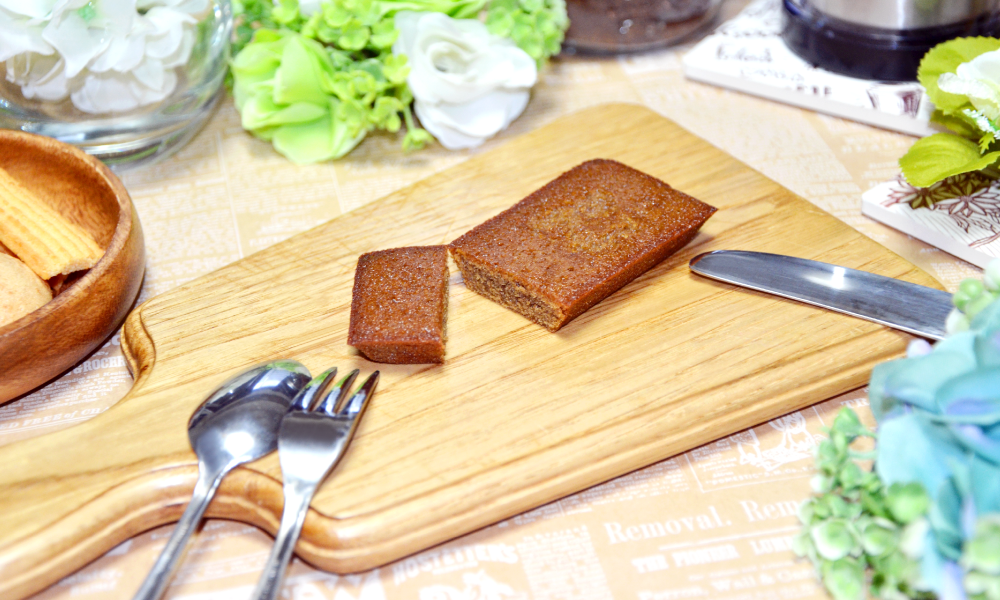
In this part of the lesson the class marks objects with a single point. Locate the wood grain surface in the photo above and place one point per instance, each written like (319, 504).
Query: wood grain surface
(516, 416)
(45, 342)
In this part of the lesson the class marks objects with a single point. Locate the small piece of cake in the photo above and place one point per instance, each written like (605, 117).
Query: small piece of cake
(577, 240)
(400, 304)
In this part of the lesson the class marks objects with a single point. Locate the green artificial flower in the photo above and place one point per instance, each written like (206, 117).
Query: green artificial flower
(316, 85)
(962, 79)
(925, 522)
(280, 87)
(860, 525)
(937, 459)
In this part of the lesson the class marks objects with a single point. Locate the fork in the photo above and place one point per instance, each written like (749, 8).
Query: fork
(312, 439)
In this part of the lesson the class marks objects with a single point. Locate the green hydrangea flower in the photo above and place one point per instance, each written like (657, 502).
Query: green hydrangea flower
(926, 521)
(536, 26)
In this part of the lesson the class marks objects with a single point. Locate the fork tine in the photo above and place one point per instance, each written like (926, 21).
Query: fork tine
(356, 405)
(307, 395)
(336, 394)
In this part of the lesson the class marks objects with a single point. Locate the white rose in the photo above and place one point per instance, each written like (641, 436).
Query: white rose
(467, 83)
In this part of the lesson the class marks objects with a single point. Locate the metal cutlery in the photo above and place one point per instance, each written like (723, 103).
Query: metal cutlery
(312, 440)
(236, 424)
(899, 304)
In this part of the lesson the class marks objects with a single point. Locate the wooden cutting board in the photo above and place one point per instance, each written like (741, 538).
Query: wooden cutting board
(516, 416)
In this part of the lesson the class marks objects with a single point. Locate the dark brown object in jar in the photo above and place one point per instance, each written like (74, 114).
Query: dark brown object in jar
(608, 26)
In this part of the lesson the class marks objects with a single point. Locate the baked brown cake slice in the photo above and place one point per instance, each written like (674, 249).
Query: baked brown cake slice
(400, 305)
(576, 240)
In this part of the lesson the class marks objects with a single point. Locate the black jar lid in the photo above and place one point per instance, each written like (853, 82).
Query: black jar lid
(869, 52)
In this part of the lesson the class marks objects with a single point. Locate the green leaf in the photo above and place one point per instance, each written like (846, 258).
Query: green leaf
(968, 290)
(286, 12)
(986, 141)
(907, 501)
(844, 579)
(354, 35)
(802, 545)
(299, 77)
(335, 14)
(848, 422)
(396, 68)
(945, 58)
(874, 503)
(261, 113)
(833, 539)
(415, 139)
(500, 23)
(982, 551)
(942, 155)
(320, 140)
(850, 476)
(879, 538)
(384, 34)
(386, 113)
(958, 122)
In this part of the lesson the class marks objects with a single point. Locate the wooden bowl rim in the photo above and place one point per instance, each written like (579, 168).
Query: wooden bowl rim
(123, 228)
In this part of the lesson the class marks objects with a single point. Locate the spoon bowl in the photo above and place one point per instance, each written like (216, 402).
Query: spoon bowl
(236, 424)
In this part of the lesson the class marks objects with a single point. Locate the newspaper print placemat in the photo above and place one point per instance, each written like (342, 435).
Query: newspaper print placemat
(748, 54)
(714, 522)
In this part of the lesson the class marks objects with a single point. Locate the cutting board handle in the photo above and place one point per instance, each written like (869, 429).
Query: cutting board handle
(77, 493)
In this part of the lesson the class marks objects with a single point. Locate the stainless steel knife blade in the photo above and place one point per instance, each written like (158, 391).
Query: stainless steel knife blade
(907, 306)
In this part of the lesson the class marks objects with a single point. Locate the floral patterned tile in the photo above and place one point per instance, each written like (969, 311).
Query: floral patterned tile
(960, 215)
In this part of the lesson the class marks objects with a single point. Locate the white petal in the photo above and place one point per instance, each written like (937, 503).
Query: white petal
(171, 35)
(123, 53)
(483, 117)
(75, 41)
(42, 77)
(451, 139)
(468, 125)
(35, 9)
(18, 37)
(459, 60)
(986, 65)
(116, 16)
(118, 92)
(151, 74)
(406, 23)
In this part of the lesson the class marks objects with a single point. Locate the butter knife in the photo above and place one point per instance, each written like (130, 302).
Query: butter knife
(907, 306)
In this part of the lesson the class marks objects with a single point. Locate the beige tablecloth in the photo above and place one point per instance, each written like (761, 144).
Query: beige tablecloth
(716, 521)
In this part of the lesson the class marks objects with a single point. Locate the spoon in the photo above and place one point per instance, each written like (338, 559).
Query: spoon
(236, 424)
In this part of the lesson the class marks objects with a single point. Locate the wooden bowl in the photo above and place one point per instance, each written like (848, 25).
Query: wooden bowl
(44, 343)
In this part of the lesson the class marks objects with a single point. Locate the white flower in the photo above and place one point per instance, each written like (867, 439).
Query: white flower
(979, 79)
(105, 55)
(467, 83)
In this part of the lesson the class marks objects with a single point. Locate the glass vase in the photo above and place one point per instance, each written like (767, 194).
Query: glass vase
(129, 86)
